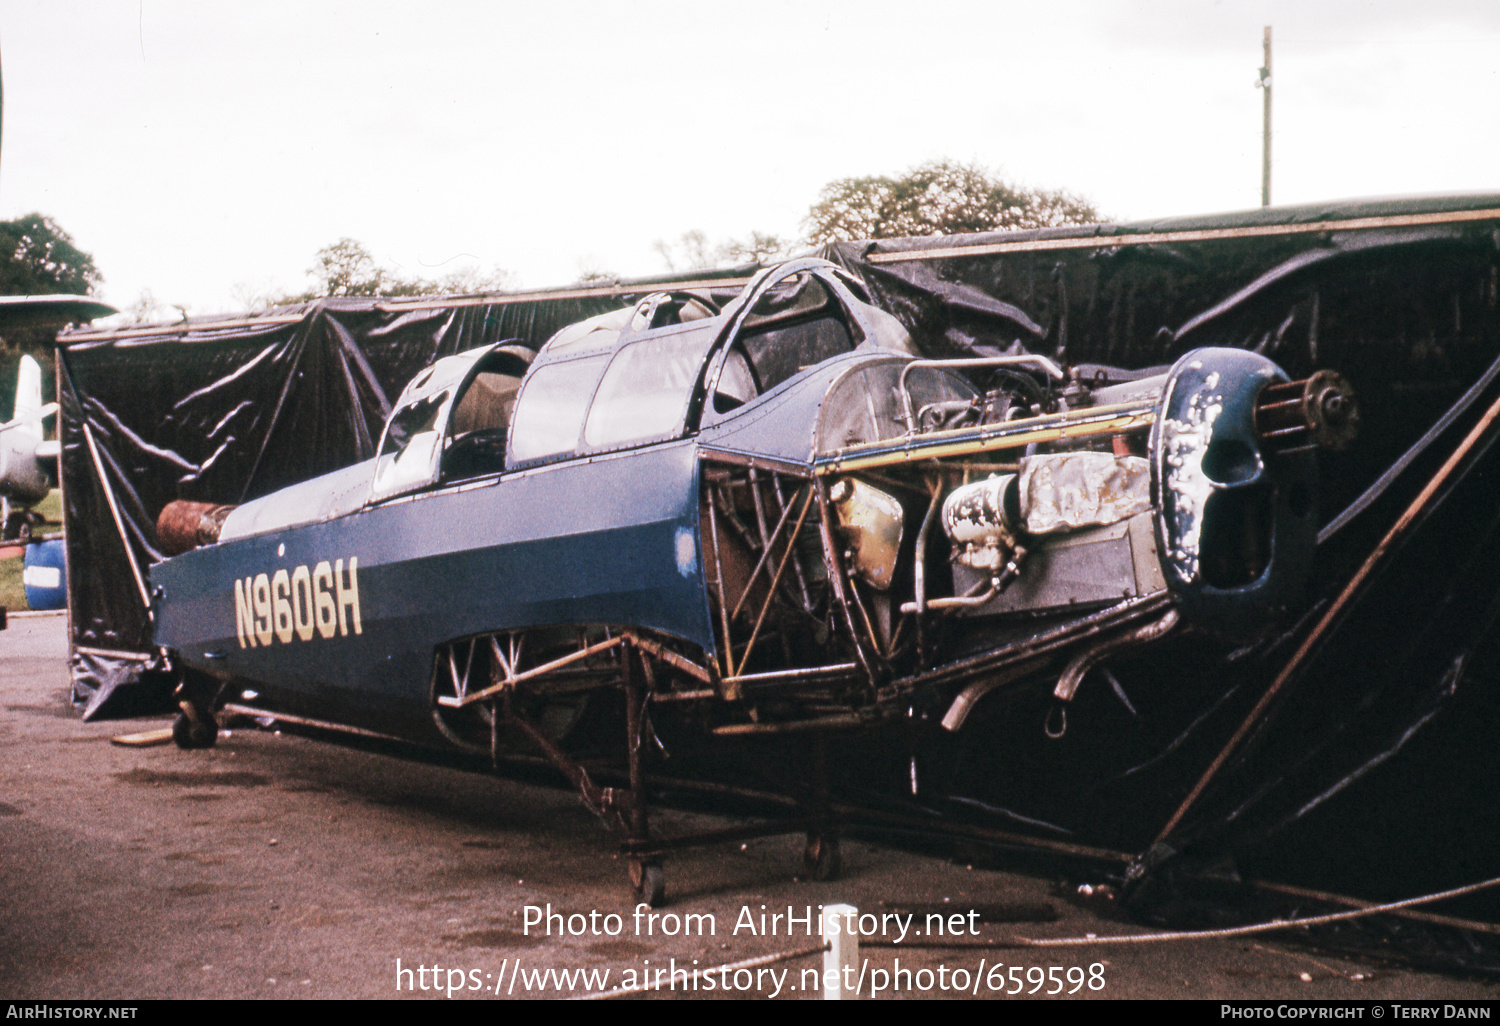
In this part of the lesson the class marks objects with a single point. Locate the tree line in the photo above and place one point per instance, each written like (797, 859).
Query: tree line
(940, 197)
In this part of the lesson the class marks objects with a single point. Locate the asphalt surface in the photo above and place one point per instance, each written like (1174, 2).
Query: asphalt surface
(282, 866)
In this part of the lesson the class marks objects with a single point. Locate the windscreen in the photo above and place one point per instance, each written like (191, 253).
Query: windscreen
(796, 325)
(550, 409)
(646, 390)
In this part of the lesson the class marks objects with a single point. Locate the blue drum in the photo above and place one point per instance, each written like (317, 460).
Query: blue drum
(46, 575)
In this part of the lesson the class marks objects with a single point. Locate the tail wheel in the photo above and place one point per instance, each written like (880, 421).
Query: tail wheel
(197, 695)
(650, 882)
(190, 734)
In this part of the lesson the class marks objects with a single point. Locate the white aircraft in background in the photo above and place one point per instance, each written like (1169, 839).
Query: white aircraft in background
(28, 461)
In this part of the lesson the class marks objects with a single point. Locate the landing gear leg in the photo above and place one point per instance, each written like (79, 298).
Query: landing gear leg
(822, 859)
(646, 874)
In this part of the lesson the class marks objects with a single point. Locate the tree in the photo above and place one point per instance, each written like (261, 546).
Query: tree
(759, 248)
(940, 197)
(346, 268)
(465, 280)
(692, 251)
(38, 258)
(145, 309)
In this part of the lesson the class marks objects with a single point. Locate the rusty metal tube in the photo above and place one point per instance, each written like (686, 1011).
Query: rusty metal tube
(765, 555)
(1072, 677)
(919, 568)
(771, 591)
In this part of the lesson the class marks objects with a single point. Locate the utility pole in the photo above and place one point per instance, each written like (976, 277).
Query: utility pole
(1265, 158)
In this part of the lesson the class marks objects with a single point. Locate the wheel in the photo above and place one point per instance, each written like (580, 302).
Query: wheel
(190, 735)
(17, 526)
(822, 859)
(650, 882)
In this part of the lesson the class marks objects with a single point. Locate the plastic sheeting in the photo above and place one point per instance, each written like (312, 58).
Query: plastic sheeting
(1370, 773)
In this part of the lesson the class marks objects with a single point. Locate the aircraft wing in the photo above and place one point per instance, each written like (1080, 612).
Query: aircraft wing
(60, 309)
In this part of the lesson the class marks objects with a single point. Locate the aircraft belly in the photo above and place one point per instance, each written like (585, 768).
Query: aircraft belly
(344, 615)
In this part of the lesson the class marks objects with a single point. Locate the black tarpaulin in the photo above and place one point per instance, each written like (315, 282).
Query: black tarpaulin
(1370, 770)
(1377, 748)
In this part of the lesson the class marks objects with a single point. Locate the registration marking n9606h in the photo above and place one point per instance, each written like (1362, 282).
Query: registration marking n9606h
(297, 605)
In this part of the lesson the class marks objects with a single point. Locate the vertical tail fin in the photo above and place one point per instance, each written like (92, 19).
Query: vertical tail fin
(29, 398)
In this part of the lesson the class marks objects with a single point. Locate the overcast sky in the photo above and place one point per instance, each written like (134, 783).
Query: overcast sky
(207, 150)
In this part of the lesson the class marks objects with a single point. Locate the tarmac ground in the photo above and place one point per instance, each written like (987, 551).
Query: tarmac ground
(278, 865)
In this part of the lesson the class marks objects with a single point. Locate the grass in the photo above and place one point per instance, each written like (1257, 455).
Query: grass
(12, 591)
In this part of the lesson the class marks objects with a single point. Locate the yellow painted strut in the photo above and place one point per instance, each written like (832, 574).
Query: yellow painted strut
(1101, 420)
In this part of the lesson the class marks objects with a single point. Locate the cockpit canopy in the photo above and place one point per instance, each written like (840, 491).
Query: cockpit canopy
(658, 370)
(450, 421)
(674, 363)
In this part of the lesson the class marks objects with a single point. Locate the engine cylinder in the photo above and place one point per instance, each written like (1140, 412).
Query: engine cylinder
(185, 525)
(979, 519)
